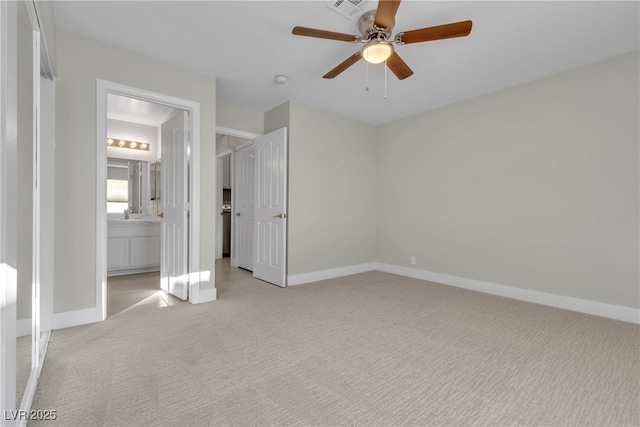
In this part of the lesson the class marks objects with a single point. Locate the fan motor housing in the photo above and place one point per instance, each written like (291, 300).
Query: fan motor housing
(368, 29)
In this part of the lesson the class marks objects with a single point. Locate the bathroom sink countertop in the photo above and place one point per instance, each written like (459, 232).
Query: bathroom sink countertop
(134, 220)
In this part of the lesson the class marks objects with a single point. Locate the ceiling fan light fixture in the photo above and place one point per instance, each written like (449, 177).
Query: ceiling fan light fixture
(377, 51)
(281, 79)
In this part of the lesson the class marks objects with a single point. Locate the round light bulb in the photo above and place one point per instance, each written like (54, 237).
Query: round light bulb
(122, 143)
(376, 51)
(110, 141)
(133, 144)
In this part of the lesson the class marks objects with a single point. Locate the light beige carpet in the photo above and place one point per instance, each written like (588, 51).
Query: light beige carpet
(368, 349)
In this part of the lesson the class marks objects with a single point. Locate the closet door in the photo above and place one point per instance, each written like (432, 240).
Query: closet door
(244, 196)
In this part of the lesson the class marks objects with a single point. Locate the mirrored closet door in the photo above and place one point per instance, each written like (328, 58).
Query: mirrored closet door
(35, 194)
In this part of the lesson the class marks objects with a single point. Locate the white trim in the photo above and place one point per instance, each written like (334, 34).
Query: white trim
(69, 319)
(32, 382)
(237, 133)
(104, 87)
(206, 295)
(298, 279)
(101, 196)
(129, 271)
(611, 311)
(194, 200)
(193, 293)
(626, 314)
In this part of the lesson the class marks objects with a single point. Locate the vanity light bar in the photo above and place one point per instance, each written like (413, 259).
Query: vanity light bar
(121, 143)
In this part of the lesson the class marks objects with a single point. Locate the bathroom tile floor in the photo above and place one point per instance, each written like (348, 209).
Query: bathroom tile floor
(125, 292)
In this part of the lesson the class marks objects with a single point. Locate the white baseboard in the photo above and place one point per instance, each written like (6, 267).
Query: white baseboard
(298, 279)
(68, 319)
(129, 271)
(626, 314)
(206, 295)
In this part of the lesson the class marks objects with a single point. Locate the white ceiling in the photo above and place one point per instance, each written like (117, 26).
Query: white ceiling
(246, 43)
(137, 111)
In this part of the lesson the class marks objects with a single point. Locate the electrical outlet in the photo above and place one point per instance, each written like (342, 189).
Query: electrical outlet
(413, 260)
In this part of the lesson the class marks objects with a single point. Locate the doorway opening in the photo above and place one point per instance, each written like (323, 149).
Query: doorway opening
(147, 198)
(227, 142)
(257, 176)
(134, 151)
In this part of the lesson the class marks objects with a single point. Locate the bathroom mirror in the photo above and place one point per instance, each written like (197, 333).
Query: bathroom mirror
(127, 186)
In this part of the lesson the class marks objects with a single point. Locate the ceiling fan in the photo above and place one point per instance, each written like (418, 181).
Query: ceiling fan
(375, 28)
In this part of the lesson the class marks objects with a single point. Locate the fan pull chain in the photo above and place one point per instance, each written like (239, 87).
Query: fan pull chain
(385, 80)
(367, 88)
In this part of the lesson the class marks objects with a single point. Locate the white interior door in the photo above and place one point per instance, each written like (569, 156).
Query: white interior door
(271, 207)
(244, 200)
(175, 206)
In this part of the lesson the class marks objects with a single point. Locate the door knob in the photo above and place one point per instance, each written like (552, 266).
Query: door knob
(237, 213)
(280, 215)
(161, 215)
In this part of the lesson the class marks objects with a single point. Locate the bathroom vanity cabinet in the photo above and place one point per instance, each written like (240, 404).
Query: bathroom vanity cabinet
(133, 246)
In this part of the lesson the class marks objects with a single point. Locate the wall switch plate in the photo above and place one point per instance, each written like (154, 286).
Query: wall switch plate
(413, 260)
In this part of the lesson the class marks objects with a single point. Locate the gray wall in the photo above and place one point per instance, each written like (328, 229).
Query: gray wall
(332, 189)
(80, 62)
(533, 187)
(277, 118)
(239, 118)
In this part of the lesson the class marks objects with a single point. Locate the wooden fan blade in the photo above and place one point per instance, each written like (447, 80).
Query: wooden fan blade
(447, 31)
(322, 34)
(386, 13)
(398, 66)
(343, 66)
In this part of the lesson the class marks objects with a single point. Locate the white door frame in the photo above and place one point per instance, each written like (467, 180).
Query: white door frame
(103, 88)
(240, 134)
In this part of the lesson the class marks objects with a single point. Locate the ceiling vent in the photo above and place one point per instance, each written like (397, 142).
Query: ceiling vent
(350, 9)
